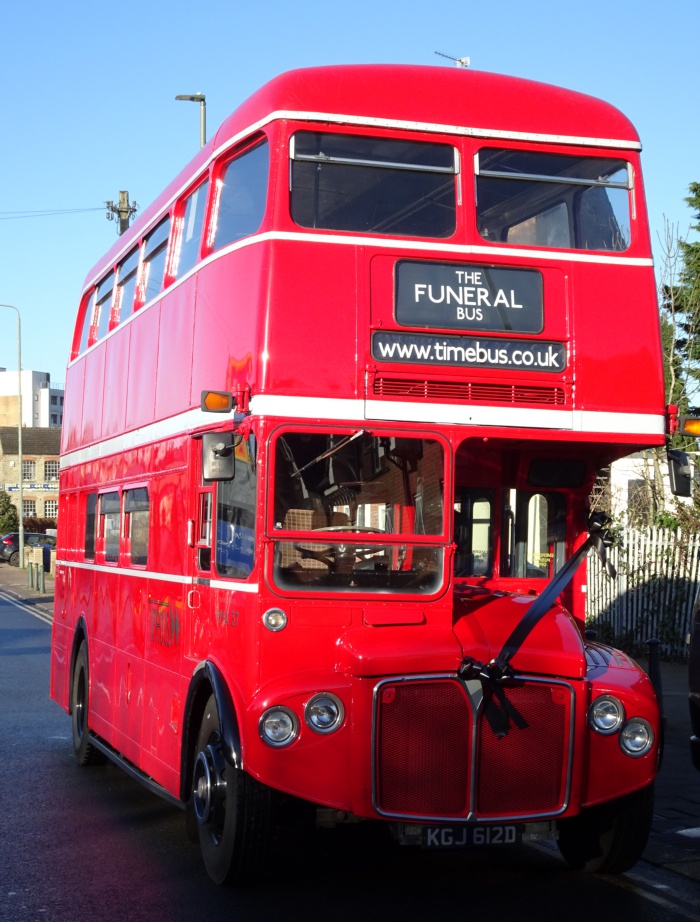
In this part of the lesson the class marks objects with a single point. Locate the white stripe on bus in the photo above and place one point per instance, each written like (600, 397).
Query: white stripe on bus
(357, 410)
(159, 577)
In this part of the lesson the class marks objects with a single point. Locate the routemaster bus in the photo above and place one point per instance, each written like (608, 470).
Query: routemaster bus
(334, 407)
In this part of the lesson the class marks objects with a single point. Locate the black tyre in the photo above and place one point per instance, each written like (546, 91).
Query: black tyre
(609, 838)
(233, 810)
(85, 752)
(14, 559)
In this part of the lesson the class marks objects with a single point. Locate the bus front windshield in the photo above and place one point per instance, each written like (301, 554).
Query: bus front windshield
(365, 508)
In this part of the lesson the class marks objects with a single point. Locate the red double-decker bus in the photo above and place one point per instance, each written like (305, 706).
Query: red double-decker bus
(334, 407)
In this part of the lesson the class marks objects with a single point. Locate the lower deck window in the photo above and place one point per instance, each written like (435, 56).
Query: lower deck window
(137, 512)
(235, 517)
(110, 525)
(519, 533)
(362, 508)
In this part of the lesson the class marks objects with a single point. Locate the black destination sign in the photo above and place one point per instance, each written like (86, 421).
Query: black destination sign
(456, 296)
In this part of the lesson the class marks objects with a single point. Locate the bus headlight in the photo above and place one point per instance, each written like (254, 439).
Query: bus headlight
(278, 727)
(324, 713)
(636, 737)
(606, 715)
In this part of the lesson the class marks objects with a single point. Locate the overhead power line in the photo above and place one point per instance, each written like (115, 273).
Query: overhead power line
(44, 213)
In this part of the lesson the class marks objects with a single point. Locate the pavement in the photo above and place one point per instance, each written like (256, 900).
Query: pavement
(674, 843)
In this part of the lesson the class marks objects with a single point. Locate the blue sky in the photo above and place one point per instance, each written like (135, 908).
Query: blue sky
(87, 106)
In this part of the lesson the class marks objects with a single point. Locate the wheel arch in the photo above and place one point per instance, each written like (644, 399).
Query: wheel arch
(208, 680)
(80, 635)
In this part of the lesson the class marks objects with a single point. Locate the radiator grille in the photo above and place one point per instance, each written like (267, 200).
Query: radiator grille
(469, 392)
(423, 742)
(424, 739)
(525, 771)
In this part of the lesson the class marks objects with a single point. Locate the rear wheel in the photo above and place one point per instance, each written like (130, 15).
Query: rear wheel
(14, 559)
(233, 810)
(85, 752)
(609, 838)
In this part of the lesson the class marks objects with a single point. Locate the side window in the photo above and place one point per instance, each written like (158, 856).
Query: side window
(90, 522)
(241, 197)
(235, 518)
(155, 254)
(191, 230)
(127, 272)
(109, 525)
(473, 521)
(87, 321)
(204, 522)
(51, 469)
(537, 198)
(137, 515)
(533, 534)
(373, 185)
(103, 307)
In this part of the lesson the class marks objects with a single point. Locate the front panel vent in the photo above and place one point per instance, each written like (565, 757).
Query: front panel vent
(469, 392)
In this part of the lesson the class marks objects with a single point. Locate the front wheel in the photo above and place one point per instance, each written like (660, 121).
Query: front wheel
(233, 811)
(608, 838)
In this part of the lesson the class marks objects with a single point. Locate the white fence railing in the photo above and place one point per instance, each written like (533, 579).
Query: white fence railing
(658, 575)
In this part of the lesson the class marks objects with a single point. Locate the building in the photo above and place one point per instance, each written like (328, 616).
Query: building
(39, 469)
(638, 488)
(42, 402)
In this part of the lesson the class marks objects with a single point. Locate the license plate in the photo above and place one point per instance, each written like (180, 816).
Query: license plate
(468, 836)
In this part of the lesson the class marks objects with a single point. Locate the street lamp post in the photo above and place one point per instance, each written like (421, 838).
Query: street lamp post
(19, 430)
(201, 99)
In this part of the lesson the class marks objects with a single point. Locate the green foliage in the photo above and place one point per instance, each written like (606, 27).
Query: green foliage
(680, 319)
(9, 519)
(37, 525)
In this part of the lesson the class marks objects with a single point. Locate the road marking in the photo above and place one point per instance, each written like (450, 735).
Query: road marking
(18, 603)
(680, 896)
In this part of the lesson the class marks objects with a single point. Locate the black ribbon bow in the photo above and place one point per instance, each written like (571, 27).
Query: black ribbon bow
(498, 672)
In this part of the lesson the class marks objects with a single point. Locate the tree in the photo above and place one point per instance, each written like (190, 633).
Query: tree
(680, 313)
(679, 309)
(9, 519)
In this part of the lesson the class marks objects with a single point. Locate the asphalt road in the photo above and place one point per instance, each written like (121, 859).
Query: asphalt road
(91, 844)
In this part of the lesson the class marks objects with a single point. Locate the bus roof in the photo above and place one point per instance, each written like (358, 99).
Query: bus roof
(452, 100)
(483, 102)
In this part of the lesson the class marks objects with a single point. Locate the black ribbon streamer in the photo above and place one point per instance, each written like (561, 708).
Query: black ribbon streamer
(494, 675)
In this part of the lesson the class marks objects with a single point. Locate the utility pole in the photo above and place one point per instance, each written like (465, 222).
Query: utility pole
(19, 431)
(123, 212)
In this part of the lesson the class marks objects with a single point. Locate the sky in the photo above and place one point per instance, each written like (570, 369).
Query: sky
(88, 107)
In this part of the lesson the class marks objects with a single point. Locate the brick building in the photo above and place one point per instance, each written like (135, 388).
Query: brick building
(39, 467)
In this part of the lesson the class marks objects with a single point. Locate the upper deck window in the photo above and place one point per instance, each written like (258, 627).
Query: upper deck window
(373, 185)
(103, 306)
(241, 196)
(190, 230)
(154, 260)
(126, 285)
(532, 198)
